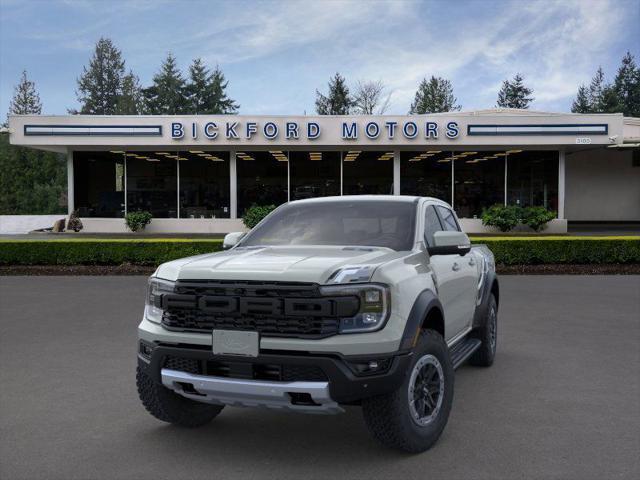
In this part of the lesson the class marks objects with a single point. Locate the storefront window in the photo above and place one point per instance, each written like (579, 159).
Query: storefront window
(367, 172)
(99, 184)
(478, 181)
(262, 178)
(426, 173)
(314, 174)
(204, 184)
(532, 178)
(152, 183)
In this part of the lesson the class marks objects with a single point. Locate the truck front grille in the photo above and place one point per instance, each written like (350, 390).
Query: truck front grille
(272, 309)
(246, 370)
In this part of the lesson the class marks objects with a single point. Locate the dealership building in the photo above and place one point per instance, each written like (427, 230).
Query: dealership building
(199, 174)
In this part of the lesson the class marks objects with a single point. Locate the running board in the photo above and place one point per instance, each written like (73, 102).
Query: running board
(463, 350)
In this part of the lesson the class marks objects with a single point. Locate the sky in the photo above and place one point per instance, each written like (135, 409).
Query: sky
(275, 54)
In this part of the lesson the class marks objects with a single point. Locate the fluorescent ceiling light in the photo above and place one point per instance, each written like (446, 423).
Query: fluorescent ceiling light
(434, 151)
(444, 160)
(196, 151)
(162, 153)
(514, 151)
(116, 151)
(152, 160)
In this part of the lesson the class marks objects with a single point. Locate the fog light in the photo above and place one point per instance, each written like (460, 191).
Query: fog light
(372, 296)
(369, 318)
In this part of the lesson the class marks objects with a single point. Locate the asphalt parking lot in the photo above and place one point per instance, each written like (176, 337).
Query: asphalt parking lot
(561, 401)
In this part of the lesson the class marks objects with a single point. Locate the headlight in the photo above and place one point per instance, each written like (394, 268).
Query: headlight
(153, 305)
(374, 306)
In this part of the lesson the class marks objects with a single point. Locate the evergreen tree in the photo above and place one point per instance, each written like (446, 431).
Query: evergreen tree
(514, 94)
(433, 96)
(581, 104)
(627, 86)
(130, 101)
(167, 95)
(596, 91)
(100, 85)
(25, 99)
(338, 101)
(206, 91)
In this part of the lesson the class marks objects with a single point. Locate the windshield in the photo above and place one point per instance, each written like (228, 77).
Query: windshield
(355, 223)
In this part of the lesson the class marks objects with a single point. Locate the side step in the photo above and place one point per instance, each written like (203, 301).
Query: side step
(463, 350)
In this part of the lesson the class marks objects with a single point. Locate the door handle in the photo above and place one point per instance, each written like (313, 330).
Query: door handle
(455, 267)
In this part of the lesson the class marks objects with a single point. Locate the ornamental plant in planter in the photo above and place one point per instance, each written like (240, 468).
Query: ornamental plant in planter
(507, 217)
(537, 217)
(255, 214)
(137, 221)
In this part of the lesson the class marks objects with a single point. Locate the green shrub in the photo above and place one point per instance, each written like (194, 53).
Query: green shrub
(536, 217)
(255, 214)
(137, 220)
(504, 218)
(564, 250)
(74, 223)
(102, 252)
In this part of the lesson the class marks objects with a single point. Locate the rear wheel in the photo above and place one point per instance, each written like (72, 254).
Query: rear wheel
(170, 407)
(487, 333)
(413, 417)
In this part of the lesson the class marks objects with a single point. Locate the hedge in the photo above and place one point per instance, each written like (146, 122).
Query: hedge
(507, 250)
(102, 252)
(563, 249)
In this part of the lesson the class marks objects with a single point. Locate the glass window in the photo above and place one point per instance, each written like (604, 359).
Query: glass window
(314, 174)
(262, 178)
(204, 184)
(432, 225)
(367, 173)
(426, 173)
(532, 179)
(99, 184)
(341, 222)
(479, 182)
(449, 221)
(152, 183)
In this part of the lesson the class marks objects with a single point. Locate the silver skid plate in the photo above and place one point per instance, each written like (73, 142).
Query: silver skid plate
(249, 393)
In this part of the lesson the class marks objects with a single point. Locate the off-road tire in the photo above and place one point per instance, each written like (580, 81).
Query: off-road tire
(486, 353)
(389, 417)
(170, 407)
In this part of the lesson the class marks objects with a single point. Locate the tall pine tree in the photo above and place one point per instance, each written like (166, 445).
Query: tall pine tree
(514, 94)
(338, 100)
(433, 96)
(100, 85)
(206, 92)
(167, 94)
(582, 103)
(627, 86)
(25, 99)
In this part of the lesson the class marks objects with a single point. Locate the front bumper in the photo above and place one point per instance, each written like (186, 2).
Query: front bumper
(340, 384)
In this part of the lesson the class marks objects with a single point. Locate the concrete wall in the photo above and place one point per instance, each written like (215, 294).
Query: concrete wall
(602, 185)
(165, 225)
(14, 224)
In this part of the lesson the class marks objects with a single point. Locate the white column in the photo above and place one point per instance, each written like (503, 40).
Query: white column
(396, 172)
(506, 166)
(341, 170)
(70, 186)
(561, 176)
(288, 177)
(453, 180)
(177, 188)
(233, 185)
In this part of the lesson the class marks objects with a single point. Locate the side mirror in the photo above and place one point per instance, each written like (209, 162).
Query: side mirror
(450, 243)
(232, 239)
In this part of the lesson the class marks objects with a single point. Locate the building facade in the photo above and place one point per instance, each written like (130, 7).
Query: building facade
(200, 173)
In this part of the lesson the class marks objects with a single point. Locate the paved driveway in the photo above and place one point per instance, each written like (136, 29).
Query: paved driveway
(562, 400)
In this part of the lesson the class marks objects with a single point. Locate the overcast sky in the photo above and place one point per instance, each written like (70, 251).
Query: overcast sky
(276, 53)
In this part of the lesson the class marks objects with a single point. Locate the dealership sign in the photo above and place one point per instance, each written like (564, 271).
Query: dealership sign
(292, 130)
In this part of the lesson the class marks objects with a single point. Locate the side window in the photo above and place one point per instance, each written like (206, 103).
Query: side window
(431, 225)
(449, 221)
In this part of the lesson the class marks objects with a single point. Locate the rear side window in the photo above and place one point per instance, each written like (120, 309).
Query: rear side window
(431, 225)
(449, 221)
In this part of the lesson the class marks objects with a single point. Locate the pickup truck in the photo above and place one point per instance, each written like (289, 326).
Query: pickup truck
(371, 301)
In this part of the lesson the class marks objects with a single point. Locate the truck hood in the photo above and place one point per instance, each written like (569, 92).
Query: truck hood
(280, 263)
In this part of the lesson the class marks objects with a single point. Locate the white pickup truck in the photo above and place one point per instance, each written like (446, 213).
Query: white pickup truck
(352, 300)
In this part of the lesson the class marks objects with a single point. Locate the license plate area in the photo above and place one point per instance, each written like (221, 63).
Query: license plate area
(233, 342)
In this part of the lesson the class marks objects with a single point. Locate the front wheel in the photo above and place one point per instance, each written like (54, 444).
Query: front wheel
(413, 417)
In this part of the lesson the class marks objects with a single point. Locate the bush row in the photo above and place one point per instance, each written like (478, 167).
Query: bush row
(101, 252)
(508, 251)
(567, 250)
